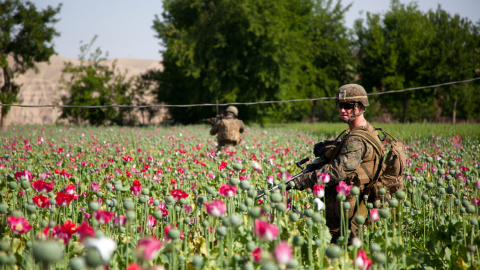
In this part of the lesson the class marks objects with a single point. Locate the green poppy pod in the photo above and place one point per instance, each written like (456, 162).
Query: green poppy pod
(205, 224)
(470, 209)
(298, 240)
(93, 258)
(380, 258)
(393, 203)
(359, 219)
(456, 202)
(448, 177)
(384, 213)
(4, 246)
(420, 179)
(226, 221)
(12, 259)
(93, 206)
(131, 215)
(276, 197)
(157, 214)
(248, 202)
(281, 207)
(474, 222)
(234, 181)
(293, 264)
(156, 202)
(247, 266)
(382, 191)
(369, 206)
(170, 200)
(268, 266)
(109, 186)
(293, 217)
(12, 185)
(465, 203)
(463, 210)
(333, 251)
(145, 191)
(251, 246)
(201, 200)
(429, 185)
(355, 191)
(452, 163)
(237, 166)
(318, 218)
(242, 207)
(414, 178)
(255, 212)
(452, 172)
(407, 203)
(178, 208)
(340, 197)
(16, 213)
(252, 193)
(182, 201)
(309, 222)
(400, 194)
(127, 205)
(267, 192)
(347, 206)
(245, 185)
(441, 191)
(429, 159)
(4, 258)
(291, 184)
(223, 175)
(221, 231)
(424, 197)
(48, 251)
(441, 172)
(281, 170)
(236, 220)
(78, 263)
(25, 184)
(374, 247)
(450, 190)
(31, 209)
(3, 208)
(309, 212)
(174, 234)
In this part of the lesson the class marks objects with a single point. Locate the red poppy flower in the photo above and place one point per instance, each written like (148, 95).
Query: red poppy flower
(43, 187)
(41, 201)
(178, 194)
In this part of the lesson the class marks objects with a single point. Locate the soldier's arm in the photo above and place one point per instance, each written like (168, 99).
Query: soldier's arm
(242, 126)
(214, 129)
(350, 157)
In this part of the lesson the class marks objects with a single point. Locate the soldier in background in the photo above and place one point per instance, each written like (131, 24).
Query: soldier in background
(355, 161)
(228, 129)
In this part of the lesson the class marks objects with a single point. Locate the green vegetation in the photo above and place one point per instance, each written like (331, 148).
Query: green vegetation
(25, 39)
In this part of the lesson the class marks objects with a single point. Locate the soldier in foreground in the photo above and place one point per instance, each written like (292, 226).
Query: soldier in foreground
(355, 161)
(228, 129)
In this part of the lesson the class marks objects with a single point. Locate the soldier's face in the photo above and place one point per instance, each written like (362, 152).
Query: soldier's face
(346, 110)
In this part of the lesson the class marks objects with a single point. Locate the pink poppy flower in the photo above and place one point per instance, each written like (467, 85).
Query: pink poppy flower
(85, 230)
(42, 187)
(103, 217)
(265, 230)
(120, 221)
(270, 179)
(374, 214)
(283, 253)
(284, 176)
(19, 225)
(227, 190)
(94, 186)
(323, 178)
(257, 255)
(166, 230)
(178, 194)
(362, 261)
(28, 175)
(148, 248)
(343, 188)
(136, 188)
(215, 208)
(41, 201)
(70, 189)
(318, 191)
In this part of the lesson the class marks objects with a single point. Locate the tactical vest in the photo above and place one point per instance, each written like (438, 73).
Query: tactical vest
(369, 167)
(229, 131)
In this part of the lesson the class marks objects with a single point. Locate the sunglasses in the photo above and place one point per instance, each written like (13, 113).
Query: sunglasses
(346, 106)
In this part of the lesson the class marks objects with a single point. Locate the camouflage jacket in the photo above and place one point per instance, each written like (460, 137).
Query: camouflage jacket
(346, 163)
(228, 130)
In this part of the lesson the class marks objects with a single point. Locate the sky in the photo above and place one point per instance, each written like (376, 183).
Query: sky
(124, 27)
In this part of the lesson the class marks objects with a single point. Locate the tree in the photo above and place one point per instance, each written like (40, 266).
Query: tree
(455, 56)
(244, 51)
(393, 53)
(25, 39)
(93, 83)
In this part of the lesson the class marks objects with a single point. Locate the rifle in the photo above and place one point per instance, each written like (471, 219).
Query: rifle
(214, 120)
(321, 151)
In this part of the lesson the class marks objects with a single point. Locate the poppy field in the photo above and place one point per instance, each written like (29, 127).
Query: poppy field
(163, 198)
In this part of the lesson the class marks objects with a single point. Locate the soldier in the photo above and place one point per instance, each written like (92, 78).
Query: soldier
(355, 161)
(228, 129)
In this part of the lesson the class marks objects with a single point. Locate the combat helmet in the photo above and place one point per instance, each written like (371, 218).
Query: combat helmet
(352, 93)
(232, 109)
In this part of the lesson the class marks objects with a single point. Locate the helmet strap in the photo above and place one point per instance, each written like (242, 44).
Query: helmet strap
(349, 120)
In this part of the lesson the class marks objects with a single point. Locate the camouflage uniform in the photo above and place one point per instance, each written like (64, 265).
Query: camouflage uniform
(355, 161)
(228, 131)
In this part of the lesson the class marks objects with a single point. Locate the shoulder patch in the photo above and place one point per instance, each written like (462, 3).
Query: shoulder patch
(350, 147)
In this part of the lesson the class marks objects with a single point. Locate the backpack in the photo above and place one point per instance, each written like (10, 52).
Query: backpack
(392, 166)
(229, 130)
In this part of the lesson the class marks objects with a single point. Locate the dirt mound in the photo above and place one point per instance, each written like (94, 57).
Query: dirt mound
(43, 88)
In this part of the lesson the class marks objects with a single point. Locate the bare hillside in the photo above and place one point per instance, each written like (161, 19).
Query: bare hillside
(43, 88)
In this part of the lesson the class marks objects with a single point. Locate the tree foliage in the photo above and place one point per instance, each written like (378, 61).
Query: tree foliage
(244, 51)
(25, 39)
(93, 83)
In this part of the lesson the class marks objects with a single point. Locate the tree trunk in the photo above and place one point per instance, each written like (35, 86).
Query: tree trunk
(454, 110)
(405, 108)
(313, 112)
